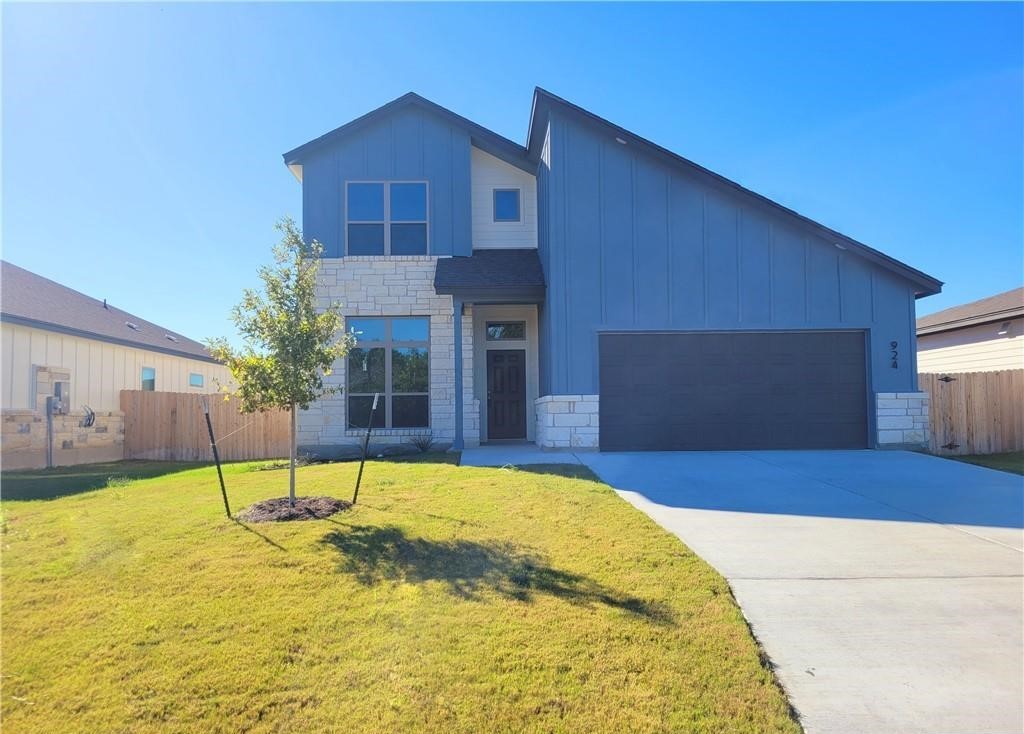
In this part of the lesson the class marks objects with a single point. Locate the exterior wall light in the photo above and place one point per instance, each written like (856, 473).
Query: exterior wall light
(1004, 329)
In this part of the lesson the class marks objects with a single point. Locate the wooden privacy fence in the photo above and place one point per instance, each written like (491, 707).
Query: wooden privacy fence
(975, 412)
(170, 426)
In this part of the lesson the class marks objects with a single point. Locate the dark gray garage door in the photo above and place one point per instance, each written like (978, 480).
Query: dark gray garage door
(732, 390)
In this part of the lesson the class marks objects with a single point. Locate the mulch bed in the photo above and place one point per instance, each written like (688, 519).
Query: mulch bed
(306, 508)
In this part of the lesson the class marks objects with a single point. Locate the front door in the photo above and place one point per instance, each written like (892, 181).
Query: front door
(506, 393)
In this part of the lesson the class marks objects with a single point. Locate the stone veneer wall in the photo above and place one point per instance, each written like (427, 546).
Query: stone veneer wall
(23, 440)
(901, 419)
(393, 286)
(567, 421)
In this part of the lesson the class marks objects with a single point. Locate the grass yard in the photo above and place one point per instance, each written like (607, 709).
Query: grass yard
(451, 599)
(1011, 462)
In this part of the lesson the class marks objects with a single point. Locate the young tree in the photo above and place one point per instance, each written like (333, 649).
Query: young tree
(289, 345)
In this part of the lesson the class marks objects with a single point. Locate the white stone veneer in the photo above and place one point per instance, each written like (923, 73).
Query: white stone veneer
(901, 419)
(567, 421)
(393, 286)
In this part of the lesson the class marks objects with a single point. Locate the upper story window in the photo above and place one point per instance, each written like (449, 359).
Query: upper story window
(506, 205)
(148, 378)
(386, 217)
(195, 379)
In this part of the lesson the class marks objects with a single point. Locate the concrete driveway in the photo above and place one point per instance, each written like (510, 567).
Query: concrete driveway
(885, 586)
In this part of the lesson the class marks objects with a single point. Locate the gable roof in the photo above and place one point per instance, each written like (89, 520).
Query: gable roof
(1000, 307)
(484, 139)
(544, 102)
(32, 300)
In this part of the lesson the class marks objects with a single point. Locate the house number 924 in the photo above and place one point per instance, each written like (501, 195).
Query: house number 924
(894, 354)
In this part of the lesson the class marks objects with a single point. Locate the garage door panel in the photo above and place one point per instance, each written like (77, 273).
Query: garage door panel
(735, 390)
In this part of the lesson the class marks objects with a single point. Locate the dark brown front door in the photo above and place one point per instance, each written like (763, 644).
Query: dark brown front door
(506, 393)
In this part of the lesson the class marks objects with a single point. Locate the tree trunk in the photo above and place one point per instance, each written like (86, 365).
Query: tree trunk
(291, 462)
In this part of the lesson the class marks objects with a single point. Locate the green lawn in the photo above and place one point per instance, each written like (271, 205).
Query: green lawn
(451, 599)
(1011, 462)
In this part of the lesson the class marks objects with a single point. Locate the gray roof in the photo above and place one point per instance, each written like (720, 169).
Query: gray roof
(999, 307)
(502, 274)
(483, 138)
(32, 300)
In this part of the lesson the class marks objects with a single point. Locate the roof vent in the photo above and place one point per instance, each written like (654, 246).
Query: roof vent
(172, 338)
(133, 327)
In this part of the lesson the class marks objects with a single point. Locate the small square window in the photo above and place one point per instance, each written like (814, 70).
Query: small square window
(149, 379)
(502, 330)
(195, 380)
(506, 205)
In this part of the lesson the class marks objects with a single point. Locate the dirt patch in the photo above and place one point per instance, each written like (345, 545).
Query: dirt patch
(306, 508)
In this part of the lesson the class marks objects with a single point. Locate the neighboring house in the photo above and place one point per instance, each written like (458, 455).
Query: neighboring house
(981, 336)
(79, 353)
(591, 289)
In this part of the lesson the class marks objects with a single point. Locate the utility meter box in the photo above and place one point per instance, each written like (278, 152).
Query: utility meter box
(61, 397)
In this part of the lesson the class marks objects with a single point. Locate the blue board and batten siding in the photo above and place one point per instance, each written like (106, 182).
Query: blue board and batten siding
(409, 145)
(630, 243)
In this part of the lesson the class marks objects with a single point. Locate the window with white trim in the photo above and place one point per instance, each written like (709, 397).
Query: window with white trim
(391, 357)
(195, 379)
(507, 205)
(386, 217)
(148, 379)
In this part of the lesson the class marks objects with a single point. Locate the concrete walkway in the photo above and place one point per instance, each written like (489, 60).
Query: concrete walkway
(885, 586)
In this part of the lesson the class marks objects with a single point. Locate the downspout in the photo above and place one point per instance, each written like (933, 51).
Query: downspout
(457, 444)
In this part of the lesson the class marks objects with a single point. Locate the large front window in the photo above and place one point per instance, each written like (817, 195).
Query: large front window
(391, 357)
(386, 218)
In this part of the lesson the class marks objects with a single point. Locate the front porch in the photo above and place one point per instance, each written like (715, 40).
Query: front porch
(500, 292)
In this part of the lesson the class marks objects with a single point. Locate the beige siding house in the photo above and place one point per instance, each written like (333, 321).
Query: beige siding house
(75, 354)
(982, 336)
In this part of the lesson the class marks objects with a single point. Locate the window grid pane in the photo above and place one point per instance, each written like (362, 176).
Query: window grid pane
(410, 330)
(365, 239)
(409, 239)
(408, 202)
(497, 331)
(365, 202)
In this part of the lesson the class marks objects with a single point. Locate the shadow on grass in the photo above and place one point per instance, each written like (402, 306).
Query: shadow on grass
(48, 484)
(569, 471)
(264, 538)
(374, 555)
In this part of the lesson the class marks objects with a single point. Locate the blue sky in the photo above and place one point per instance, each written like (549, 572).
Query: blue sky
(142, 143)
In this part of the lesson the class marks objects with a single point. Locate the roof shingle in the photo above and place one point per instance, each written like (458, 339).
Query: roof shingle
(490, 270)
(993, 308)
(33, 300)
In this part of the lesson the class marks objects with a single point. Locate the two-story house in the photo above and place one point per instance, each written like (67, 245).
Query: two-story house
(592, 289)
